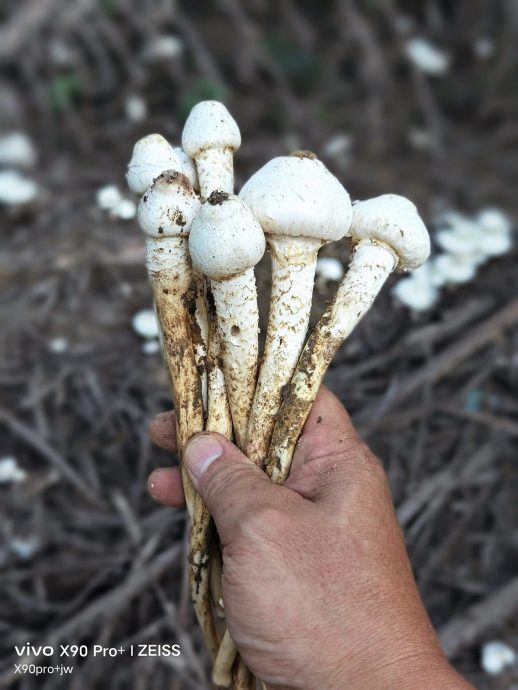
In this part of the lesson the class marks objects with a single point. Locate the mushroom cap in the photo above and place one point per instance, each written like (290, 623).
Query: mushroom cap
(226, 239)
(298, 196)
(210, 126)
(452, 269)
(394, 221)
(151, 156)
(169, 206)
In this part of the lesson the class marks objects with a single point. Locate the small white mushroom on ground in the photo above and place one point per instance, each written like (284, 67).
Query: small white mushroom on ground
(301, 206)
(496, 656)
(210, 136)
(226, 242)
(419, 290)
(151, 347)
(145, 324)
(135, 108)
(427, 57)
(151, 156)
(165, 214)
(25, 547)
(16, 189)
(494, 221)
(386, 233)
(476, 240)
(448, 269)
(126, 209)
(58, 345)
(495, 232)
(462, 243)
(17, 149)
(108, 197)
(165, 47)
(329, 269)
(10, 471)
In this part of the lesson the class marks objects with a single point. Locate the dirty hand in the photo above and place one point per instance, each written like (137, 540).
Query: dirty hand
(317, 586)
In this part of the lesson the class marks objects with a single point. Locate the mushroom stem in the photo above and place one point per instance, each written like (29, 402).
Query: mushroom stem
(238, 323)
(171, 284)
(215, 166)
(222, 668)
(201, 334)
(293, 274)
(370, 266)
(219, 418)
(242, 677)
(216, 573)
(300, 206)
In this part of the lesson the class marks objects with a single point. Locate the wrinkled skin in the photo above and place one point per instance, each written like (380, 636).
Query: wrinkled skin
(318, 589)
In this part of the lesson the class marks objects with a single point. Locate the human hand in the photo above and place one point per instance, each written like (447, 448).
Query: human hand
(317, 586)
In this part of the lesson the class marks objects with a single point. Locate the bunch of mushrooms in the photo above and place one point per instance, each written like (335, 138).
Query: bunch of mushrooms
(203, 242)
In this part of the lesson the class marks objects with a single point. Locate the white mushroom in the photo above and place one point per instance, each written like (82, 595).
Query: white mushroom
(449, 269)
(300, 206)
(210, 137)
(108, 197)
(494, 221)
(151, 156)
(386, 232)
(226, 242)
(17, 149)
(496, 656)
(329, 269)
(16, 189)
(427, 57)
(145, 324)
(418, 291)
(165, 214)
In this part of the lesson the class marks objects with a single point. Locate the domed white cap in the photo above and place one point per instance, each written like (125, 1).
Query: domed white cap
(169, 206)
(297, 196)
(210, 126)
(226, 239)
(151, 156)
(394, 221)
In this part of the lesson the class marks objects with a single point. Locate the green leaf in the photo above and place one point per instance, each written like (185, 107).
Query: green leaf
(63, 90)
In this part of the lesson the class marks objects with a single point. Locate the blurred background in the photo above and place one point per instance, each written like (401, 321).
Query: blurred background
(418, 98)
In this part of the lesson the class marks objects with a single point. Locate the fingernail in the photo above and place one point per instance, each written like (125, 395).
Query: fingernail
(200, 453)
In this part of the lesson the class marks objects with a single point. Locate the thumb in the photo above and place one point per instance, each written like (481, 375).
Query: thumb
(231, 485)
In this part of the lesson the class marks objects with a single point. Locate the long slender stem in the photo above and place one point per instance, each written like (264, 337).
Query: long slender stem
(219, 420)
(293, 275)
(201, 334)
(172, 291)
(238, 325)
(370, 266)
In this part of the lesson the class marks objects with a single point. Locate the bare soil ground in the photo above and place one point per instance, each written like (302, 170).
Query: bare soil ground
(435, 395)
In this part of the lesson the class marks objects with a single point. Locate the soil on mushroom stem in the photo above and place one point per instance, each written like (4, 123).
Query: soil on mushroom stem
(78, 391)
